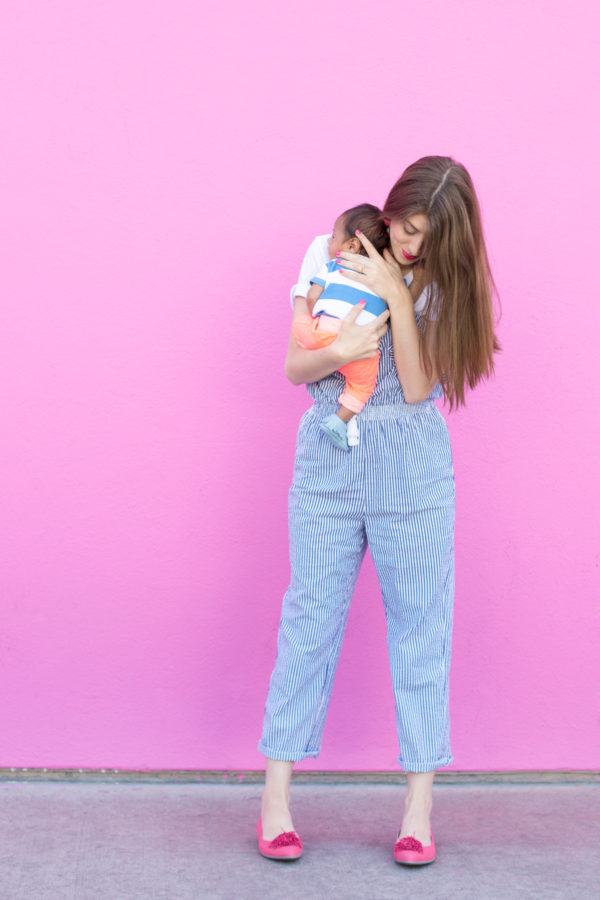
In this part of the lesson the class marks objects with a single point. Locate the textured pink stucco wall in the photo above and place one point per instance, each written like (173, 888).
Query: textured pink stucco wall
(164, 167)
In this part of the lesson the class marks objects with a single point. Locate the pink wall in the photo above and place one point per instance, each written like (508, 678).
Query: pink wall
(162, 165)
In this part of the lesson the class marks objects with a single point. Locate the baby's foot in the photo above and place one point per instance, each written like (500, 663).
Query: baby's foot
(336, 430)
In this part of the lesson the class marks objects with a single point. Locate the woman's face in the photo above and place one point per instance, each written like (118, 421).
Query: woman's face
(406, 238)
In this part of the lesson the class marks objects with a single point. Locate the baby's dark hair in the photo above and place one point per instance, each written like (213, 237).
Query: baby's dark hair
(368, 219)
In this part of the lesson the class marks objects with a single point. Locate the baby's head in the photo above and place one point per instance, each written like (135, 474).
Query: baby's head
(365, 218)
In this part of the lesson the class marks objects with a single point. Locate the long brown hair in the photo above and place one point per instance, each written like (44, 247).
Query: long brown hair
(459, 315)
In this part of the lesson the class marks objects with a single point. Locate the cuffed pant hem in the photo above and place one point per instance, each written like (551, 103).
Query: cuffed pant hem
(287, 755)
(425, 766)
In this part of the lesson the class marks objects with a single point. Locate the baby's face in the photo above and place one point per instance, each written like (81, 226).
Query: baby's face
(338, 239)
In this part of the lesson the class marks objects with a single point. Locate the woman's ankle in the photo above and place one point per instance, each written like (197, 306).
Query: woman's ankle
(418, 801)
(275, 799)
(419, 796)
(276, 817)
(278, 776)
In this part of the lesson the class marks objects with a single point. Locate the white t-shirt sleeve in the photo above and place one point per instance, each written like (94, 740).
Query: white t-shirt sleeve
(314, 259)
(422, 302)
(423, 298)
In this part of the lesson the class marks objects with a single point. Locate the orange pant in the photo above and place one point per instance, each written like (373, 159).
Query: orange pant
(320, 331)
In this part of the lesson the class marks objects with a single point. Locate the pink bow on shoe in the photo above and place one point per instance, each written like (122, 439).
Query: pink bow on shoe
(287, 839)
(285, 846)
(410, 852)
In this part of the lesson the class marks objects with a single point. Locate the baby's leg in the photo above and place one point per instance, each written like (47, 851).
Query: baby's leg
(360, 376)
(308, 334)
(345, 414)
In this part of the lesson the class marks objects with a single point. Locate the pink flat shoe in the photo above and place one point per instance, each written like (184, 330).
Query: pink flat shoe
(285, 846)
(410, 852)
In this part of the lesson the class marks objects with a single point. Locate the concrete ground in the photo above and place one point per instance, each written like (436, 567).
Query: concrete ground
(61, 841)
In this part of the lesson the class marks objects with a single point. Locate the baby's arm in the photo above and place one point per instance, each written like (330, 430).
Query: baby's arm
(313, 295)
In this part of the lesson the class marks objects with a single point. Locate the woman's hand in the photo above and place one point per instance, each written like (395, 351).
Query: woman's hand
(352, 342)
(381, 274)
(384, 276)
(360, 341)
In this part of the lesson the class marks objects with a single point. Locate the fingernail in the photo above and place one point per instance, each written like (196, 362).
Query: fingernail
(362, 302)
(358, 232)
(338, 253)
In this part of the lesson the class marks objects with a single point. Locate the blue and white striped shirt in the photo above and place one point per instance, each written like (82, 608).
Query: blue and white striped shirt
(340, 295)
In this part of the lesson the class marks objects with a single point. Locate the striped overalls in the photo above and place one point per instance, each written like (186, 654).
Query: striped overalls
(395, 492)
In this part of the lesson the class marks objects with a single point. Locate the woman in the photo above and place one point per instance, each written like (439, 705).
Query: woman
(394, 492)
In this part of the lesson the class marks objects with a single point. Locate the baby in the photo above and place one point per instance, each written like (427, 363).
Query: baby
(330, 299)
